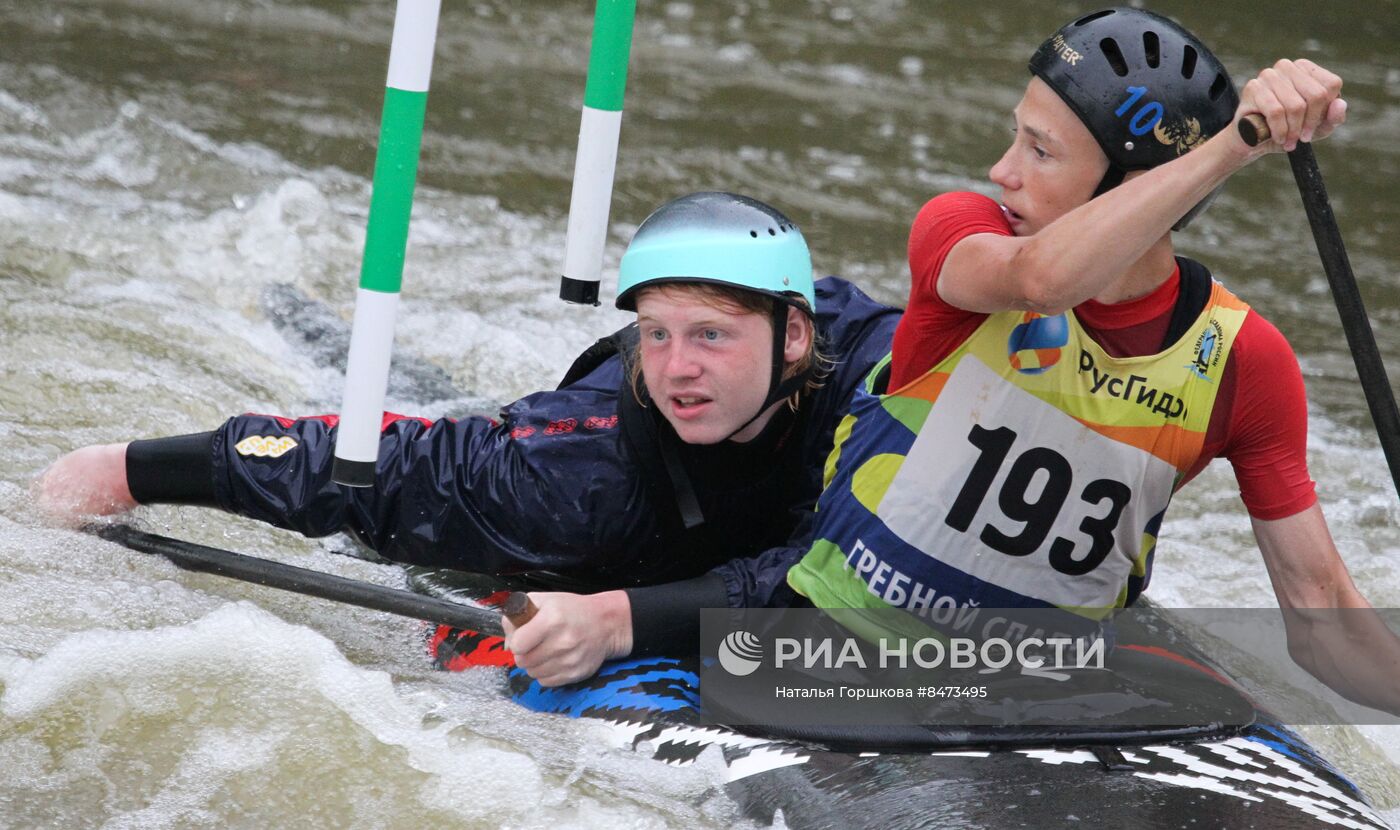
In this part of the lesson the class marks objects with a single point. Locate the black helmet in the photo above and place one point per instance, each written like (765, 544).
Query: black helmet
(1146, 88)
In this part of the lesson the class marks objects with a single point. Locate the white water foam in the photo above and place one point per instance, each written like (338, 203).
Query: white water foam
(235, 699)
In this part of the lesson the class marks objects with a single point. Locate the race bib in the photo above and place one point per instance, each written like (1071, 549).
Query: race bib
(1011, 490)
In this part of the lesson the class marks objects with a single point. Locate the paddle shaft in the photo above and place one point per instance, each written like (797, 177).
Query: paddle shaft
(193, 557)
(1362, 340)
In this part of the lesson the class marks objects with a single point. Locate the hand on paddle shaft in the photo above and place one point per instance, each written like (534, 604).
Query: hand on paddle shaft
(1298, 100)
(570, 635)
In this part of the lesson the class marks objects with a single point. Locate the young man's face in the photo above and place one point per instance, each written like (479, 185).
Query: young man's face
(1052, 166)
(707, 367)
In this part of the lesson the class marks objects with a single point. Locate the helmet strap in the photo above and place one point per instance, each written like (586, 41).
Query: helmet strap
(778, 389)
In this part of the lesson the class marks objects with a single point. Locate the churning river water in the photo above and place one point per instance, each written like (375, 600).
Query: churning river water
(178, 178)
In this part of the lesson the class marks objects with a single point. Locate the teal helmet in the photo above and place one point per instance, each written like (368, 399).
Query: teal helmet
(720, 238)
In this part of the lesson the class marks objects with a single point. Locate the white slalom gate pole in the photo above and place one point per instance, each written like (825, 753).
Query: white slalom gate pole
(597, 150)
(386, 241)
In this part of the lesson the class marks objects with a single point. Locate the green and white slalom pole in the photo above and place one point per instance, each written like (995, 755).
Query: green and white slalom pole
(597, 150)
(386, 240)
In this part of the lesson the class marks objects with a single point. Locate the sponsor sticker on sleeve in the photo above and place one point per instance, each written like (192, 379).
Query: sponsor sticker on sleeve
(265, 446)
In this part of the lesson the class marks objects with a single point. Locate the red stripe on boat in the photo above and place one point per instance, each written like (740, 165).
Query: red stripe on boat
(1177, 658)
(456, 649)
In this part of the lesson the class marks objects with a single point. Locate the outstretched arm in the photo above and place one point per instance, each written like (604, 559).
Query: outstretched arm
(1354, 653)
(107, 479)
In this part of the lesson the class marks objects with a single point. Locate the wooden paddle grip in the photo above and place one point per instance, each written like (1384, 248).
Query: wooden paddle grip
(1254, 129)
(519, 609)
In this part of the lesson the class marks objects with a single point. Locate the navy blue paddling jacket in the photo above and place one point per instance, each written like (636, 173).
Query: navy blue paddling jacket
(569, 486)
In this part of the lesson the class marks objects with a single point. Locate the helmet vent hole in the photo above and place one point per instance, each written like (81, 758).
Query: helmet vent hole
(1188, 63)
(1115, 56)
(1092, 17)
(772, 232)
(754, 234)
(1152, 48)
(783, 228)
(1217, 88)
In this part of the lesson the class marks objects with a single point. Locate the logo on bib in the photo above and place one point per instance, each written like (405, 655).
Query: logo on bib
(265, 446)
(1035, 344)
(1207, 351)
